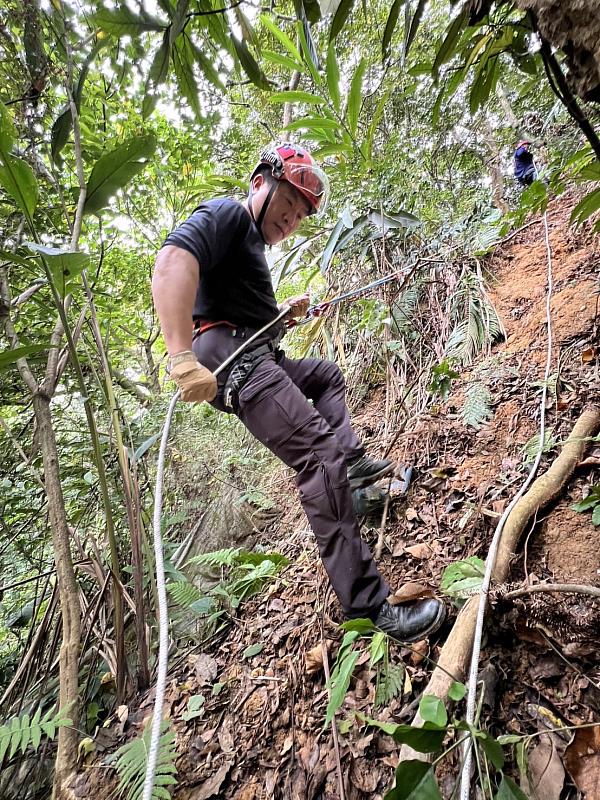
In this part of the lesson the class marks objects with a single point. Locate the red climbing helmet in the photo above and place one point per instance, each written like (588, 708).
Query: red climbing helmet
(522, 142)
(294, 164)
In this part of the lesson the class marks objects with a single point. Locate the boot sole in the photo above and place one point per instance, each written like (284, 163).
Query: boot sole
(367, 480)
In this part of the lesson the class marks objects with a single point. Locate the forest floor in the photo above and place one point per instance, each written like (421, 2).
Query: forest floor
(262, 736)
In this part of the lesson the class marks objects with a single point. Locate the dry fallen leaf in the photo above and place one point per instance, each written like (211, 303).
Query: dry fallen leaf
(582, 759)
(314, 659)
(409, 592)
(546, 774)
(588, 355)
(212, 786)
(421, 550)
(419, 651)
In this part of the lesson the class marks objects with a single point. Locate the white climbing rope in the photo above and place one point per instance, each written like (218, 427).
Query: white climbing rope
(161, 590)
(491, 559)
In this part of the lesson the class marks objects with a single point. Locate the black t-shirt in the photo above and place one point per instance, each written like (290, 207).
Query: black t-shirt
(235, 282)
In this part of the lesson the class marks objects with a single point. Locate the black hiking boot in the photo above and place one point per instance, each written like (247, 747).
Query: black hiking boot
(412, 621)
(368, 501)
(364, 470)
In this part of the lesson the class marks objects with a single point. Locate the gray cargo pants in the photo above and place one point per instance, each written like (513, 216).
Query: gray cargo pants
(315, 440)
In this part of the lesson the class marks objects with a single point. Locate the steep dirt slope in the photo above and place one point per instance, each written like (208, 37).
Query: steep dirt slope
(261, 736)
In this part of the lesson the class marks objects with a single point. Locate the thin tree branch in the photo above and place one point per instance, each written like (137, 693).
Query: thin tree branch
(543, 588)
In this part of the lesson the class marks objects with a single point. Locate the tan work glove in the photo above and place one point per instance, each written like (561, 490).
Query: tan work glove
(195, 381)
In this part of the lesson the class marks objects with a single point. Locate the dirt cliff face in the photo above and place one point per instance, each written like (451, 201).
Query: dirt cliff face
(574, 27)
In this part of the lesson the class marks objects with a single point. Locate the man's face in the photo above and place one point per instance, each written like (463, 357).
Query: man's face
(287, 208)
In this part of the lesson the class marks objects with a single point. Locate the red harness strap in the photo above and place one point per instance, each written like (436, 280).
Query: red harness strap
(201, 327)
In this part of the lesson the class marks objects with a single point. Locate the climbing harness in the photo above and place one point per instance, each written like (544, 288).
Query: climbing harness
(163, 619)
(465, 787)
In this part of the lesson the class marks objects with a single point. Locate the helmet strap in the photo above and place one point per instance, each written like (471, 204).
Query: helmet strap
(258, 222)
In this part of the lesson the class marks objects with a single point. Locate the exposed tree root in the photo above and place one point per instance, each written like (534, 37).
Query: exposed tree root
(455, 656)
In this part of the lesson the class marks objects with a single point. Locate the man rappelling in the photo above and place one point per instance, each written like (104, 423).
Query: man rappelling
(212, 272)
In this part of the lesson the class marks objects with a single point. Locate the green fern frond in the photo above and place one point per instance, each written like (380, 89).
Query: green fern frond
(131, 761)
(476, 409)
(20, 732)
(389, 684)
(533, 445)
(184, 593)
(217, 558)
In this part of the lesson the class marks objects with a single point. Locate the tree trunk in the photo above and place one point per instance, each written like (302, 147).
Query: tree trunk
(495, 169)
(66, 757)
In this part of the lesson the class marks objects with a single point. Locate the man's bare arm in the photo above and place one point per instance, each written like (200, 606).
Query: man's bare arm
(174, 286)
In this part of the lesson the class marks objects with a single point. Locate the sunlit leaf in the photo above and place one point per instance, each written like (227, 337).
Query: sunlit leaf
(65, 265)
(447, 48)
(8, 132)
(281, 60)
(115, 169)
(432, 709)
(586, 207)
(339, 20)
(283, 38)
(355, 96)
(333, 76)
(122, 21)
(390, 26)
(18, 180)
(296, 97)
(156, 75)
(249, 64)
(409, 35)
(183, 61)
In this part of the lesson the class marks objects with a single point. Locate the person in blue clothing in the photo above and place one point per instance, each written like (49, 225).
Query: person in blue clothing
(525, 171)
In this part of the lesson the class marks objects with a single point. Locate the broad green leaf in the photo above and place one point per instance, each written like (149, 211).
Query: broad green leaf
(509, 738)
(398, 219)
(122, 21)
(248, 62)
(390, 26)
(248, 32)
(195, 708)
(178, 19)
(432, 709)
(9, 357)
(586, 207)
(253, 650)
(281, 60)
(59, 135)
(355, 97)
(296, 97)
(386, 727)
(357, 626)
(15, 736)
(312, 9)
(146, 445)
(156, 75)
(25, 732)
(333, 150)
(309, 51)
(331, 245)
(492, 749)
(471, 567)
(208, 68)
(378, 648)
(333, 76)
(508, 790)
(283, 38)
(64, 265)
(313, 124)
(409, 36)
(36, 731)
(338, 684)
(596, 515)
(414, 781)
(18, 180)
(339, 19)
(427, 739)
(115, 169)
(183, 64)
(447, 48)
(457, 691)
(8, 132)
